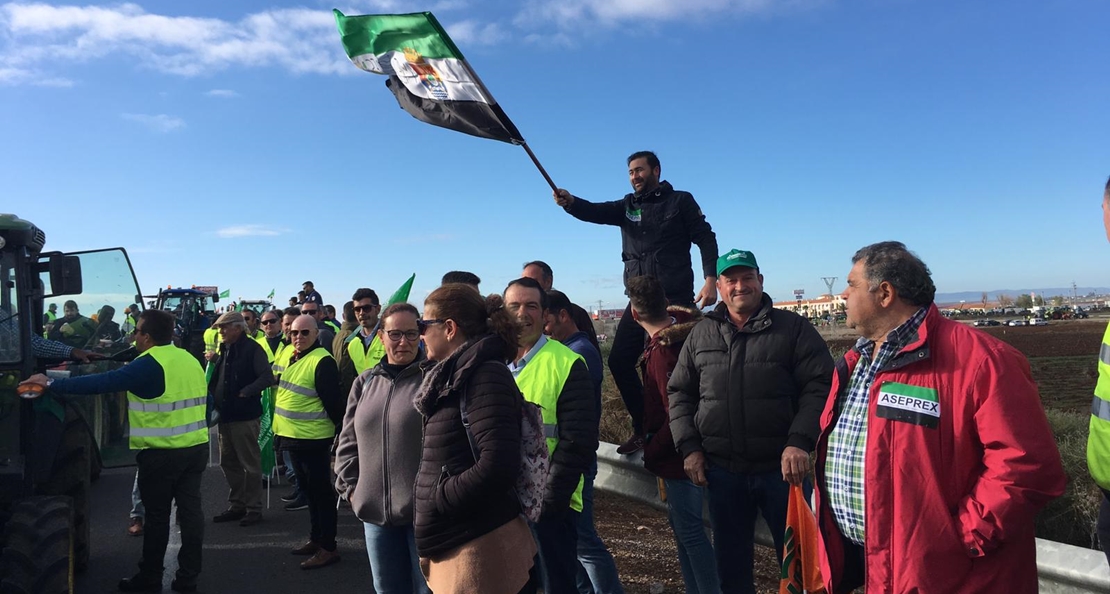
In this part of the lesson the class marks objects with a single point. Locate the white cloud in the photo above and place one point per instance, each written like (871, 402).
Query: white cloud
(471, 33)
(23, 76)
(222, 93)
(158, 123)
(566, 15)
(253, 230)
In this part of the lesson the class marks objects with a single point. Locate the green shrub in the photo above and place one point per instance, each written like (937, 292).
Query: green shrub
(1071, 518)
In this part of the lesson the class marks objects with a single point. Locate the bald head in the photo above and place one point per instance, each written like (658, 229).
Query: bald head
(304, 332)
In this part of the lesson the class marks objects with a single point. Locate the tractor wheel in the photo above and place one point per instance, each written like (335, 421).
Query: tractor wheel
(71, 477)
(37, 553)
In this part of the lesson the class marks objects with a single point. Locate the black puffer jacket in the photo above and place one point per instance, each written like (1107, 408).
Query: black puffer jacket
(456, 498)
(656, 232)
(743, 395)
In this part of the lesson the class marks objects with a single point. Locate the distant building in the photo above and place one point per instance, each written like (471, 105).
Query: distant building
(814, 308)
(608, 314)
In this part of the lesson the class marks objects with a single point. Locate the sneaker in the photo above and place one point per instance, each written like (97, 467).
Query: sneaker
(322, 558)
(297, 505)
(251, 518)
(308, 548)
(291, 496)
(633, 445)
(140, 583)
(136, 527)
(230, 515)
(179, 586)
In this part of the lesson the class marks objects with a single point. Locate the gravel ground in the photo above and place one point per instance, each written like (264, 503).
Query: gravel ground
(642, 544)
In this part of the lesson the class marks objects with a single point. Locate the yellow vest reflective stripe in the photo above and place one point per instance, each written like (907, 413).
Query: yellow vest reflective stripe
(281, 358)
(265, 344)
(176, 419)
(541, 381)
(211, 339)
(362, 356)
(298, 411)
(1098, 442)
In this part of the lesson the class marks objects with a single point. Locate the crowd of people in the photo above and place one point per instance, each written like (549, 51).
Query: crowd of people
(926, 443)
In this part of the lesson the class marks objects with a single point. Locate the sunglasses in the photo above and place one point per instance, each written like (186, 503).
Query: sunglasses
(304, 333)
(310, 312)
(409, 335)
(268, 322)
(422, 325)
(359, 308)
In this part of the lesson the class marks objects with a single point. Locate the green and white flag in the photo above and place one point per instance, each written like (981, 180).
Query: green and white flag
(225, 294)
(427, 73)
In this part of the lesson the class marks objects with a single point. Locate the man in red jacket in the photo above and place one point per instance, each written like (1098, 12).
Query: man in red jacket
(935, 454)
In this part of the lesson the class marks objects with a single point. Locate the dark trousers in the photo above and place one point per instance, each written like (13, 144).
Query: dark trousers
(734, 500)
(166, 476)
(1102, 528)
(313, 468)
(557, 540)
(628, 345)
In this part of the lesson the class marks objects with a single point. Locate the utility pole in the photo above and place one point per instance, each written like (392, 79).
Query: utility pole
(829, 282)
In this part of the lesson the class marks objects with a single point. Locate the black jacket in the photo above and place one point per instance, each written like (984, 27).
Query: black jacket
(242, 372)
(656, 232)
(456, 498)
(743, 395)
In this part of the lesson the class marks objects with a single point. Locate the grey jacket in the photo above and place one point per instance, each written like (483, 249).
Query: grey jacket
(379, 446)
(741, 395)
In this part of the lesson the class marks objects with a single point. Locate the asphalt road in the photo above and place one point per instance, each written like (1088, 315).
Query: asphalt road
(236, 559)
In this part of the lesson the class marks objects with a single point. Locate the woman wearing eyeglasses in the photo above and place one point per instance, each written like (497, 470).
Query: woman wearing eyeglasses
(379, 452)
(469, 531)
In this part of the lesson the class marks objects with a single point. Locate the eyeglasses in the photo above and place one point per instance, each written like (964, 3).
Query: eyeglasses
(422, 325)
(304, 333)
(268, 322)
(359, 308)
(409, 335)
(310, 312)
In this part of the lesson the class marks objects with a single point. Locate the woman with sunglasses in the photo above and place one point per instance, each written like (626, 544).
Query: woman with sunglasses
(379, 452)
(469, 531)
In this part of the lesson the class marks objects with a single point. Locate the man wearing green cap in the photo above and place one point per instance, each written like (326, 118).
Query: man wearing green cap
(746, 399)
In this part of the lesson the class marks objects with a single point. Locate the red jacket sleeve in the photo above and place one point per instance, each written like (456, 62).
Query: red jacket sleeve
(1022, 470)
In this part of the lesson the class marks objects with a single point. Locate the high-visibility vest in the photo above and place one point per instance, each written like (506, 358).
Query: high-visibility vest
(175, 419)
(50, 317)
(334, 327)
(211, 339)
(281, 357)
(1098, 440)
(265, 344)
(298, 411)
(364, 357)
(541, 381)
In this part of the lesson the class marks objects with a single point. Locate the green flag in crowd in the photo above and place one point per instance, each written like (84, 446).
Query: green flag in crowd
(224, 294)
(401, 295)
(271, 295)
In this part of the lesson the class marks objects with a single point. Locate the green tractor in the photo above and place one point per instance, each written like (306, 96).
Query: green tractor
(53, 447)
(194, 311)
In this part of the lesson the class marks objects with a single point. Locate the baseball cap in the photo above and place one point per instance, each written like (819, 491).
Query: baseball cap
(736, 258)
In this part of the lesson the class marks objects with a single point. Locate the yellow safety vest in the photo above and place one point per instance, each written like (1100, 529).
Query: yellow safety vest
(265, 344)
(334, 327)
(176, 419)
(541, 381)
(281, 357)
(364, 357)
(298, 411)
(50, 317)
(211, 339)
(1098, 442)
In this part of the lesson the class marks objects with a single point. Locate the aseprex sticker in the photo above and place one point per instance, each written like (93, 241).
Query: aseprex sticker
(910, 404)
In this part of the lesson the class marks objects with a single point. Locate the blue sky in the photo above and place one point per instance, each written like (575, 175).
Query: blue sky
(234, 144)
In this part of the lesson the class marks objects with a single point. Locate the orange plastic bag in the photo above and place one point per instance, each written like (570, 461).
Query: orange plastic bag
(801, 570)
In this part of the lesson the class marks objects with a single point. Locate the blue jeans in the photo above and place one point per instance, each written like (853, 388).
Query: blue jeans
(685, 502)
(137, 509)
(556, 539)
(393, 560)
(290, 475)
(597, 573)
(734, 499)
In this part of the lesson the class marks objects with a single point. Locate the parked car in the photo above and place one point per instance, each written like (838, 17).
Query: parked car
(1038, 322)
(987, 323)
(1016, 323)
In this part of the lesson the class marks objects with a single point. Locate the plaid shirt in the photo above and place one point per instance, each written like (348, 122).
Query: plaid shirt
(844, 464)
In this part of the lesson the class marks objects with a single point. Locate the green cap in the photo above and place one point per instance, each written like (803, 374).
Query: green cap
(736, 258)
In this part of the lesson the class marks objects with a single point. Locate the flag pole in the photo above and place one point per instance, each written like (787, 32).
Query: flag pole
(543, 171)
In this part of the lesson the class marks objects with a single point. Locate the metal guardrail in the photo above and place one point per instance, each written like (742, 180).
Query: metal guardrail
(1062, 568)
